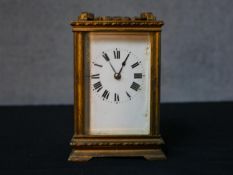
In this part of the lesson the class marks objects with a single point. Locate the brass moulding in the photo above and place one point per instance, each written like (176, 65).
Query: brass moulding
(146, 19)
(86, 146)
(85, 155)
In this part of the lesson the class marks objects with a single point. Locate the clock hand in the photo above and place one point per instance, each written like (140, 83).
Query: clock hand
(118, 75)
(112, 67)
(108, 60)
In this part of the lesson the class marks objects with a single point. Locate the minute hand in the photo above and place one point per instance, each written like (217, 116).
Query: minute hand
(123, 63)
(108, 60)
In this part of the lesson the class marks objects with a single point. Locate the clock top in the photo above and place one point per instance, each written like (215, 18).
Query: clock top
(145, 19)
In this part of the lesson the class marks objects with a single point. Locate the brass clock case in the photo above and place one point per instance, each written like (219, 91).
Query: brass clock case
(86, 146)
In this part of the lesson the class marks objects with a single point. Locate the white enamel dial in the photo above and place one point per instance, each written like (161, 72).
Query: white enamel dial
(119, 83)
(117, 75)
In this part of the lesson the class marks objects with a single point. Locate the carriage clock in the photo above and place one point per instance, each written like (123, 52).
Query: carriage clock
(116, 87)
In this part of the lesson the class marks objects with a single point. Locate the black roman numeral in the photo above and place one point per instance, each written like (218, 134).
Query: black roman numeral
(135, 86)
(128, 95)
(137, 75)
(116, 54)
(105, 56)
(116, 97)
(105, 95)
(98, 86)
(135, 64)
(98, 65)
(95, 76)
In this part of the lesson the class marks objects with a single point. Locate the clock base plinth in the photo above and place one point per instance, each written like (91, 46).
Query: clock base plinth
(85, 149)
(85, 155)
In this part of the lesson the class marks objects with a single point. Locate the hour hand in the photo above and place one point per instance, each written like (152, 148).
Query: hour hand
(124, 63)
(108, 60)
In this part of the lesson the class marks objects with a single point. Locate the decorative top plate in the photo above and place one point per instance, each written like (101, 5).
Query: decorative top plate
(145, 19)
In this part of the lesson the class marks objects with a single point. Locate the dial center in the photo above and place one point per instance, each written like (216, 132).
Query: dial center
(117, 76)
